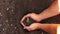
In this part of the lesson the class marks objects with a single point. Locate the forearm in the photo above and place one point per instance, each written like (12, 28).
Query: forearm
(50, 12)
(50, 28)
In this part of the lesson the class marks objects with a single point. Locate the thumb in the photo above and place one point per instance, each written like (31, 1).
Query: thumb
(27, 28)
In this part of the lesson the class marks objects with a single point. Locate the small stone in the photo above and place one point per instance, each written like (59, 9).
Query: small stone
(7, 9)
(3, 29)
(1, 14)
(11, 24)
(6, 20)
(0, 25)
(15, 27)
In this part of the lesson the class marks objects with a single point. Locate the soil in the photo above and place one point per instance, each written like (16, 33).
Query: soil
(12, 11)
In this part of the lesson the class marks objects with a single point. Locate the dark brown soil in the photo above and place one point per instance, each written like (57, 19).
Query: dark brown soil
(11, 12)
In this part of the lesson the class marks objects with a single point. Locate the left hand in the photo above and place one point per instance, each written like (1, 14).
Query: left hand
(33, 26)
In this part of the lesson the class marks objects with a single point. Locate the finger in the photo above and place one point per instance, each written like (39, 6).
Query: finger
(27, 28)
(24, 18)
(23, 25)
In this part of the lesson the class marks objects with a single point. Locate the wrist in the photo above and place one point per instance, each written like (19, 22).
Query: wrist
(40, 17)
(39, 26)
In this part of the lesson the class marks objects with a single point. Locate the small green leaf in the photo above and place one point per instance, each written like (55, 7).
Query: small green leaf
(27, 20)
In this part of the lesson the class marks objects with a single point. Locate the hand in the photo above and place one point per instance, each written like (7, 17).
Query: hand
(33, 26)
(33, 16)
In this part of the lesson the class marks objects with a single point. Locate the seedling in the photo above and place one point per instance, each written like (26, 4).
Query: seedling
(28, 21)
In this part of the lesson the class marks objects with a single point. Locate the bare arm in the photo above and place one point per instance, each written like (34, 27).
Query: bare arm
(50, 28)
(51, 11)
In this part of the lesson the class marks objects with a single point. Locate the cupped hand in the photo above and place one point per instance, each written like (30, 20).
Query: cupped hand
(32, 27)
(31, 15)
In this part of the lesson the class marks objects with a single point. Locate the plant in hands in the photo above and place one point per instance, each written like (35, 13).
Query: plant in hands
(33, 26)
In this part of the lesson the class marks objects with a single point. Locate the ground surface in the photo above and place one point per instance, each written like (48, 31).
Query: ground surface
(11, 12)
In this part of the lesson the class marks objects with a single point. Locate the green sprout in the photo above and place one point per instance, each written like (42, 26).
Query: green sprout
(27, 20)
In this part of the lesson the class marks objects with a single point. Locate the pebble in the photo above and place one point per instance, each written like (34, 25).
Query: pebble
(1, 14)
(7, 9)
(6, 20)
(0, 25)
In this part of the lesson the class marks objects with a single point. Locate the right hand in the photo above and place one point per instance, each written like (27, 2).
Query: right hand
(33, 16)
